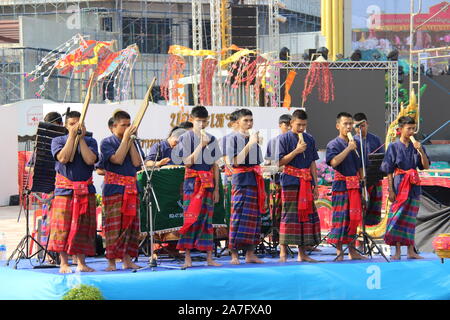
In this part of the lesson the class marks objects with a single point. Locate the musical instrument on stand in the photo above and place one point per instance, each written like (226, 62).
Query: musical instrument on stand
(168, 185)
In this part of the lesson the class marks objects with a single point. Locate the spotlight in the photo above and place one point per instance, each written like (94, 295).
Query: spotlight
(393, 55)
(285, 54)
(429, 72)
(376, 56)
(447, 68)
(356, 55)
(401, 74)
(324, 52)
(281, 18)
(281, 5)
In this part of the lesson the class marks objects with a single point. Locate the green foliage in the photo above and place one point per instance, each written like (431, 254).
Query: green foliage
(84, 292)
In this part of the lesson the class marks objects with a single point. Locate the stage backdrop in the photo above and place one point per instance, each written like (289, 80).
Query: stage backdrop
(355, 91)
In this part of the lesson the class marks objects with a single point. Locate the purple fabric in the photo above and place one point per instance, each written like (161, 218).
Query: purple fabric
(77, 170)
(108, 148)
(186, 146)
(159, 151)
(237, 142)
(288, 142)
(349, 167)
(405, 158)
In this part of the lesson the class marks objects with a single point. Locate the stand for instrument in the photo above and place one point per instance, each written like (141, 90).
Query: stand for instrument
(368, 242)
(148, 193)
(22, 251)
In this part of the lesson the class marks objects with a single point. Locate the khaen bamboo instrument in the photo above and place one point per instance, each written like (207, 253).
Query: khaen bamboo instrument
(87, 100)
(300, 138)
(350, 138)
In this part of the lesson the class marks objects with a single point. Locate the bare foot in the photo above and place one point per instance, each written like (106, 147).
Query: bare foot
(340, 258)
(283, 259)
(356, 256)
(130, 265)
(395, 257)
(253, 260)
(212, 263)
(187, 265)
(306, 259)
(235, 261)
(414, 256)
(84, 268)
(111, 268)
(65, 269)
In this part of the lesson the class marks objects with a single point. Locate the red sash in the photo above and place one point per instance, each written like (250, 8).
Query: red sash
(354, 199)
(203, 181)
(259, 183)
(129, 199)
(410, 177)
(80, 200)
(305, 195)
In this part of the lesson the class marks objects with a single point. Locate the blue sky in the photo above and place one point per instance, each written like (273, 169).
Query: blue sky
(359, 8)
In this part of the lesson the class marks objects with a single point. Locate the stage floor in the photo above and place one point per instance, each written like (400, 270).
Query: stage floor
(369, 279)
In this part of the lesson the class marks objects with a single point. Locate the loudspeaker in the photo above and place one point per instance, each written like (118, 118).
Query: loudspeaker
(244, 28)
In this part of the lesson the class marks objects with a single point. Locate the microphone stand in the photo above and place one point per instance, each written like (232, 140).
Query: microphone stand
(148, 192)
(368, 242)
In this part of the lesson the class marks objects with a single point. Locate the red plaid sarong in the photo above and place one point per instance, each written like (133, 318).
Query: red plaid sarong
(203, 180)
(129, 200)
(410, 177)
(305, 195)
(354, 199)
(80, 200)
(259, 184)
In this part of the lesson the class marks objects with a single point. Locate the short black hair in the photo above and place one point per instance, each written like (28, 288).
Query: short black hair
(186, 125)
(405, 120)
(234, 116)
(244, 112)
(299, 114)
(285, 118)
(72, 114)
(119, 115)
(360, 117)
(110, 122)
(53, 117)
(199, 112)
(343, 115)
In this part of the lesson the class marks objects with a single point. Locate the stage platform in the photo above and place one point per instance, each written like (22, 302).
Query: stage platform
(369, 279)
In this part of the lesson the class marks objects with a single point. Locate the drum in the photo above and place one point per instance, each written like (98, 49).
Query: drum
(168, 186)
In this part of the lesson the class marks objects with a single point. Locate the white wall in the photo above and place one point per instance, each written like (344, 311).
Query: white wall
(8, 162)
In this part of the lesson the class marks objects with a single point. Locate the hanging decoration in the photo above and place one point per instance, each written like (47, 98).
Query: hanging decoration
(80, 54)
(209, 66)
(173, 71)
(320, 76)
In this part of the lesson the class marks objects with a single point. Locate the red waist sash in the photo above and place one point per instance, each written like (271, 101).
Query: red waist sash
(354, 199)
(305, 195)
(129, 200)
(203, 180)
(259, 184)
(411, 177)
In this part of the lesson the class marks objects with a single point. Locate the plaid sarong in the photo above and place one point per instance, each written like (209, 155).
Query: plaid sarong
(245, 221)
(292, 231)
(401, 225)
(62, 224)
(373, 215)
(341, 219)
(200, 234)
(119, 240)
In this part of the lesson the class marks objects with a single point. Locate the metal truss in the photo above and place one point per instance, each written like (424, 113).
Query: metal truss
(216, 45)
(274, 25)
(197, 44)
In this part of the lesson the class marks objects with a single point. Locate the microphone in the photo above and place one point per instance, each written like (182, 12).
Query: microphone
(359, 123)
(350, 138)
